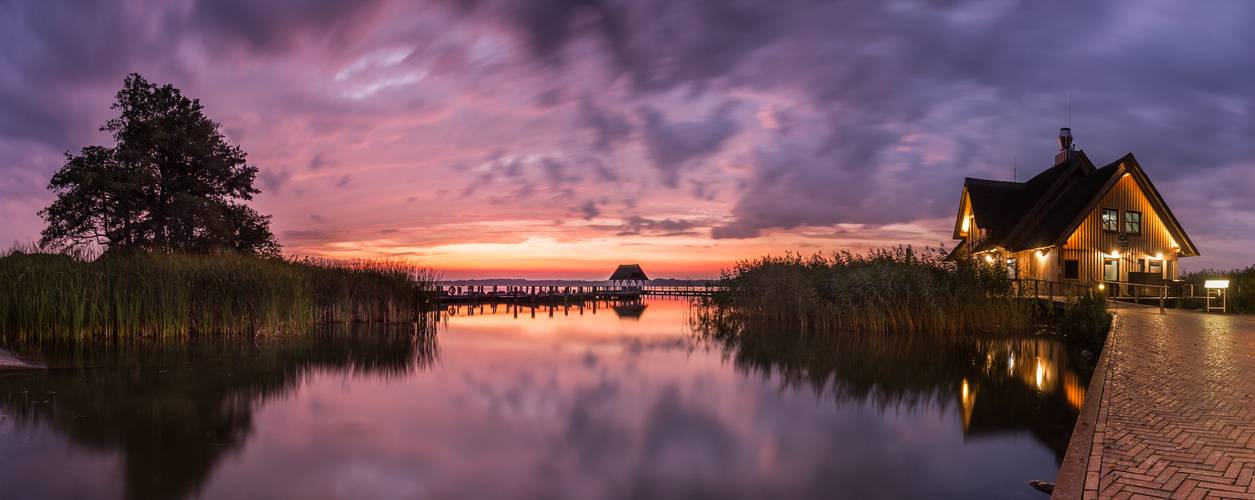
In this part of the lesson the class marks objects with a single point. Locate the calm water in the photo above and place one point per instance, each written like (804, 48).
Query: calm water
(563, 403)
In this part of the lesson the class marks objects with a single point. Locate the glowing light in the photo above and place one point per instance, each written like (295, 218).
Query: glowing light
(1011, 362)
(1115, 253)
(1040, 374)
(965, 390)
(1216, 284)
(965, 224)
(989, 259)
(1100, 286)
(1040, 255)
(1159, 256)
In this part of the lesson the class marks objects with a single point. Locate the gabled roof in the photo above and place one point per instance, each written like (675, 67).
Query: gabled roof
(629, 272)
(1047, 209)
(991, 201)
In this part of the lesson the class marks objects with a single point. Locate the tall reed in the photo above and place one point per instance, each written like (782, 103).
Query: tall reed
(172, 294)
(888, 290)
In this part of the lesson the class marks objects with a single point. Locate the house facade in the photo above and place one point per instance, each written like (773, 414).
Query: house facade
(1073, 222)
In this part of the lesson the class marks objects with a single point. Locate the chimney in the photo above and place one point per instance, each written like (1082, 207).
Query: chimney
(1065, 146)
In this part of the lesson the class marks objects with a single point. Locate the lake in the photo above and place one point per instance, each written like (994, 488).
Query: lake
(561, 402)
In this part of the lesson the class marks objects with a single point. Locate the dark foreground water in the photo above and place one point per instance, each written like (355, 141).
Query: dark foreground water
(563, 403)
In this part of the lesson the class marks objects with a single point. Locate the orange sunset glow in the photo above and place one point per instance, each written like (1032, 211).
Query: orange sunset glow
(558, 139)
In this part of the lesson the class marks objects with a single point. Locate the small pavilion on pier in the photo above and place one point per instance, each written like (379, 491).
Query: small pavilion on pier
(629, 275)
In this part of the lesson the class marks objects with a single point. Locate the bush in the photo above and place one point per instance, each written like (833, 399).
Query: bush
(1086, 318)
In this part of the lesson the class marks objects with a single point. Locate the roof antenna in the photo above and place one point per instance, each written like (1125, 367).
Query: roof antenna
(1069, 109)
(1014, 163)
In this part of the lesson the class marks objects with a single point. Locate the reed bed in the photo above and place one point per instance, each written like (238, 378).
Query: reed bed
(155, 294)
(1241, 291)
(887, 290)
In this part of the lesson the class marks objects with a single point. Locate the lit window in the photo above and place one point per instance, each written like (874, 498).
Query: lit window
(1133, 222)
(1110, 219)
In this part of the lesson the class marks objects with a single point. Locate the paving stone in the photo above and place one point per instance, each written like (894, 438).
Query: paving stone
(1177, 416)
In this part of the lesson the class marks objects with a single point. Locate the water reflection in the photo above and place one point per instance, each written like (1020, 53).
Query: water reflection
(999, 384)
(630, 309)
(574, 402)
(173, 409)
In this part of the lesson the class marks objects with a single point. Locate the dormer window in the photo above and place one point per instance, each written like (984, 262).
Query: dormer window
(1110, 219)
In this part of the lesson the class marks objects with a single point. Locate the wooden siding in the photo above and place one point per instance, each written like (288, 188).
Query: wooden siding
(1089, 245)
(1030, 266)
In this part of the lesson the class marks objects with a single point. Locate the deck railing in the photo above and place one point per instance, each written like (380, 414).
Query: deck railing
(1118, 287)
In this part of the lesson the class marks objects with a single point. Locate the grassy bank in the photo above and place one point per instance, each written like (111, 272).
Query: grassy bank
(162, 295)
(893, 290)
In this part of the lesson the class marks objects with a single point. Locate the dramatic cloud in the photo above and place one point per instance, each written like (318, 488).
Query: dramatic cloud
(671, 145)
(759, 126)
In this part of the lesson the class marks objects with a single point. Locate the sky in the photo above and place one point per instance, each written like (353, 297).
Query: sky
(559, 138)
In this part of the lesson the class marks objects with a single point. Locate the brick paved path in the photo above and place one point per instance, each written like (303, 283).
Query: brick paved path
(1176, 417)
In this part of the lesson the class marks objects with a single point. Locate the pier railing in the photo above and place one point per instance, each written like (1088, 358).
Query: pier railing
(499, 293)
(701, 290)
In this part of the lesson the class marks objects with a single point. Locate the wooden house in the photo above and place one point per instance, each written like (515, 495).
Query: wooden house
(1073, 222)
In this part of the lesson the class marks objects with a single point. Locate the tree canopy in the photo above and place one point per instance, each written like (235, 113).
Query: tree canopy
(172, 182)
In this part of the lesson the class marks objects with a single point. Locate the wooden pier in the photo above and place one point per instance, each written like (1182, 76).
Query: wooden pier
(563, 294)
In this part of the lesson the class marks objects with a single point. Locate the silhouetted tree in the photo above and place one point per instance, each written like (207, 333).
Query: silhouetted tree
(172, 182)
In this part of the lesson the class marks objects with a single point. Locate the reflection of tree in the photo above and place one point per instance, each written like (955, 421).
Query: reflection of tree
(174, 408)
(999, 383)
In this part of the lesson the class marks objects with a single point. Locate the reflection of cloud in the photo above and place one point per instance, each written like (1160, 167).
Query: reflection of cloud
(686, 452)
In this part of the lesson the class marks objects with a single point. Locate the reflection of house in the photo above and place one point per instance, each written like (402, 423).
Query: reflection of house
(1073, 222)
(630, 311)
(1023, 384)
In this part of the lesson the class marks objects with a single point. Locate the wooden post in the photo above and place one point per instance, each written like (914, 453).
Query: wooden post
(1162, 291)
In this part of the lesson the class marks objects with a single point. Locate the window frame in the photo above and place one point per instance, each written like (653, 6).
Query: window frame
(1127, 222)
(1115, 222)
(1071, 269)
